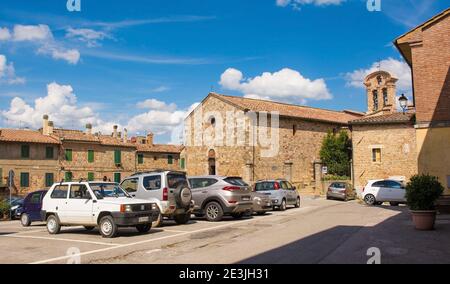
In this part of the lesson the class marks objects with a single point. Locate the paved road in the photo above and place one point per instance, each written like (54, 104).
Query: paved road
(320, 231)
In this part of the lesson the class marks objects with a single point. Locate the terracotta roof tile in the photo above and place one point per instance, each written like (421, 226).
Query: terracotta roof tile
(75, 135)
(111, 141)
(26, 136)
(290, 110)
(159, 148)
(397, 117)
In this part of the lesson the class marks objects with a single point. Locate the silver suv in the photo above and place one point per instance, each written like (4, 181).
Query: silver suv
(280, 191)
(216, 196)
(171, 190)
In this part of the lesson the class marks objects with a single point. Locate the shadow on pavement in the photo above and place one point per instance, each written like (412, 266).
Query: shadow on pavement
(396, 238)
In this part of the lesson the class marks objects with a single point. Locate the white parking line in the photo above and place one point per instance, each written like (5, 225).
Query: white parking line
(293, 211)
(20, 236)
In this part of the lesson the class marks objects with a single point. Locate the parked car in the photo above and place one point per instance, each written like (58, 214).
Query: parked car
(170, 189)
(378, 191)
(216, 196)
(16, 206)
(92, 204)
(341, 190)
(261, 203)
(31, 209)
(280, 191)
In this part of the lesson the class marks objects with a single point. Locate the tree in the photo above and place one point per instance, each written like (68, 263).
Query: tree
(336, 153)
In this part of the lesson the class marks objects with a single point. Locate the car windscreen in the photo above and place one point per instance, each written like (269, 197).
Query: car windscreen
(102, 190)
(174, 180)
(235, 181)
(264, 186)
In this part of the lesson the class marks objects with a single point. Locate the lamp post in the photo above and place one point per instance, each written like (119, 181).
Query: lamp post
(403, 100)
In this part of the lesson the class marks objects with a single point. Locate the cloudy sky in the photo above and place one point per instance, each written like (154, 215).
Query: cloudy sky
(144, 65)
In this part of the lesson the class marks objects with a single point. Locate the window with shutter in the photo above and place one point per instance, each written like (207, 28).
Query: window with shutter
(117, 157)
(25, 151)
(91, 177)
(140, 159)
(49, 153)
(24, 179)
(68, 176)
(49, 179)
(68, 155)
(117, 177)
(170, 159)
(90, 156)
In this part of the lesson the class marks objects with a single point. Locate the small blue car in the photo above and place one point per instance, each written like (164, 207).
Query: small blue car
(31, 209)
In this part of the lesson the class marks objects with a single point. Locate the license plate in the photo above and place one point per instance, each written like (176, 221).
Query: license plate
(143, 219)
(246, 198)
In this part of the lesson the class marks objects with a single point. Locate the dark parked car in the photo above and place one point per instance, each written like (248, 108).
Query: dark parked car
(31, 209)
(340, 190)
(16, 206)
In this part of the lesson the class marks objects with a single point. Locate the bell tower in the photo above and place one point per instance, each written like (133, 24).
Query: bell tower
(381, 89)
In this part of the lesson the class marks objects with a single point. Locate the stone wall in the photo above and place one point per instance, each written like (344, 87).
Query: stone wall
(398, 152)
(153, 161)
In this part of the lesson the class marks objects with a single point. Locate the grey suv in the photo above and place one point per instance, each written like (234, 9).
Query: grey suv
(216, 196)
(171, 190)
(280, 191)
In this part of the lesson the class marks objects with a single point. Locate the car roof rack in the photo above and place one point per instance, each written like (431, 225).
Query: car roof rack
(157, 171)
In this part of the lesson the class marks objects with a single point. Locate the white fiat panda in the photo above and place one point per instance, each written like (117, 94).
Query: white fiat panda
(92, 204)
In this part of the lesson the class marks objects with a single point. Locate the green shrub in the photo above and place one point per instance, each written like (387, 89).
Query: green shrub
(335, 177)
(336, 153)
(422, 191)
(4, 208)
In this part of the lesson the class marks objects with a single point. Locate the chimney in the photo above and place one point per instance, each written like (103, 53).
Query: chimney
(89, 129)
(150, 138)
(50, 127)
(115, 131)
(45, 125)
(125, 135)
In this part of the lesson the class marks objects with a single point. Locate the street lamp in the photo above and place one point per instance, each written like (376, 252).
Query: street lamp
(403, 100)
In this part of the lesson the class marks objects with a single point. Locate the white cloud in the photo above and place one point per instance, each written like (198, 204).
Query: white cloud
(32, 33)
(285, 85)
(8, 73)
(396, 68)
(89, 36)
(296, 4)
(60, 104)
(72, 56)
(5, 34)
(159, 89)
(155, 104)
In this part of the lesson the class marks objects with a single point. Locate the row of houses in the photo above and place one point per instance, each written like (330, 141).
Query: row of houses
(41, 157)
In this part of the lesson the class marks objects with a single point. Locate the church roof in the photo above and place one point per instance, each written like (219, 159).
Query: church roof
(290, 110)
(390, 118)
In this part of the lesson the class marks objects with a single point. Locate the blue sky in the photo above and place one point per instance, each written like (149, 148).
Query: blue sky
(142, 65)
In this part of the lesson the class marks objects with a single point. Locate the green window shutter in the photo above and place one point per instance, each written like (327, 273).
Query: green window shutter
(68, 176)
(117, 177)
(68, 155)
(91, 177)
(117, 157)
(25, 151)
(170, 159)
(90, 156)
(182, 163)
(49, 152)
(49, 179)
(24, 179)
(140, 159)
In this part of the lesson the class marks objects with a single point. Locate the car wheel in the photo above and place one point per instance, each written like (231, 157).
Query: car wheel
(25, 220)
(182, 218)
(213, 212)
(237, 215)
(369, 199)
(144, 228)
(297, 204)
(89, 228)
(107, 227)
(393, 203)
(283, 205)
(53, 226)
(158, 222)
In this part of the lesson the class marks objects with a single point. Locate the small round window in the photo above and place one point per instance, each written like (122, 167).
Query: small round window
(212, 120)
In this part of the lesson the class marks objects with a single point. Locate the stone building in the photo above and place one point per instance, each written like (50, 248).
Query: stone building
(426, 49)
(225, 136)
(40, 158)
(384, 143)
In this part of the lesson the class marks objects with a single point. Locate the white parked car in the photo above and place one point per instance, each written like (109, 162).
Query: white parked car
(92, 204)
(378, 191)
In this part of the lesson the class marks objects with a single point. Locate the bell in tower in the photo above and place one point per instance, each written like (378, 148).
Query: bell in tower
(380, 86)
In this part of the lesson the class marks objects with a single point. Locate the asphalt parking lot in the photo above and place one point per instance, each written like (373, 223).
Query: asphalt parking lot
(320, 231)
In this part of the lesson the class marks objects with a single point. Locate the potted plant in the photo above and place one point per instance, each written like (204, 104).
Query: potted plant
(422, 192)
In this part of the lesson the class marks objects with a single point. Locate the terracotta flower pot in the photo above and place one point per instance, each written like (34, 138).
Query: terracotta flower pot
(424, 220)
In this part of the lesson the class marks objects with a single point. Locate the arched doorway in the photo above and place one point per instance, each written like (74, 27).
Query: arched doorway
(212, 162)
